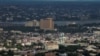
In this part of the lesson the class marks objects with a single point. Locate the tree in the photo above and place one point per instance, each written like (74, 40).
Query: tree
(3, 53)
(86, 53)
(19, 46)
(98, 54)
(10, 53)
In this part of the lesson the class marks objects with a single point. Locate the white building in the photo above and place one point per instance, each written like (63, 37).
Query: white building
(32, 23)
(62, 38)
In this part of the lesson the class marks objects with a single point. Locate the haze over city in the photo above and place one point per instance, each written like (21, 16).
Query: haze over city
(50, 0)
(49, 28)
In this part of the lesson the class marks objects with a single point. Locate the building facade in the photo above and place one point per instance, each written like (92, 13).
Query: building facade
(47, 24)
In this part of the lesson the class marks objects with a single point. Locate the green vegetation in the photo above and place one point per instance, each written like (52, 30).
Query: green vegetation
(6, 53)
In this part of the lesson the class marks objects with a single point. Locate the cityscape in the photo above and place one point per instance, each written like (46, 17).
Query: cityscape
(49, 28)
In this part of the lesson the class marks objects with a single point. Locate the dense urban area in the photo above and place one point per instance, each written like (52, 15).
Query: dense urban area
(49, 28)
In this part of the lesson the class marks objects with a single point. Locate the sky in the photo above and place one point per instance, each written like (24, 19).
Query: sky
(52, 0)
(71, 0)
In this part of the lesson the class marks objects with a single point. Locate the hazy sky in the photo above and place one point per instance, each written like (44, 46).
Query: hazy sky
(52, 0)
(71, 0)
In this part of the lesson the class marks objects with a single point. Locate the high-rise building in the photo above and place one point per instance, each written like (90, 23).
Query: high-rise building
(47, 24)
